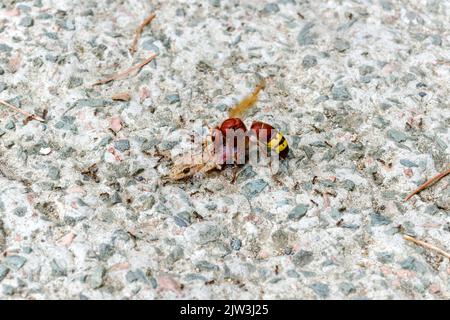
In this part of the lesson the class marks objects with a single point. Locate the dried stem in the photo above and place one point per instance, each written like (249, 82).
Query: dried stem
(28, 115)
(428, 183)
(139, 30)
(427, 245)
(125, 73)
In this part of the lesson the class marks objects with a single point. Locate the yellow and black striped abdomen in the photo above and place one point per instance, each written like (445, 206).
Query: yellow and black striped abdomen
(279, 144)
(270, 137)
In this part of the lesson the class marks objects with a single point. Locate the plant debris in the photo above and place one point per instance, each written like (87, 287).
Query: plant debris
(121, 96)
(139, 30)
(125, 73)
(427, 245)
(28, 115)
(428, 183)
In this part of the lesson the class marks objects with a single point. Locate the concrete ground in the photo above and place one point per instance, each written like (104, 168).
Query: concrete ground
(359, 89)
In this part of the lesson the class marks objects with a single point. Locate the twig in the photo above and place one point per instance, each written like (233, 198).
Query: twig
(428, 183)
(139, 30)
(125, 73)
(28, 115)
(427, 245)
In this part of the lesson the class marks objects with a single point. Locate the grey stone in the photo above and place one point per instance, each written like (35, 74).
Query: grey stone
(44, 16)
(321, 289)
(271, 8)
(443, 201)
(379, 220)
(204, 265)
(208, 234)
(131, 276)
(347, 288)
(408, 163)
(340, 93)
(14, 262)
(309, 61)
(280, 238)
(149, 45)
(95, 280)
(386, 5)
(58, 270)
(51, 35)
(365, 70)
(215, 3)
(182, 219)
(106, 251)
(211, 206)
(365, 79)
(5, 48)
(3, 272)
(292, 274)
(298, 212)
(116, 199)
(122, 145)
(8, 290)
(176, 254)
(54, 173)
(245, 174)
(255, 187)
(341, 45)
(309, 151)
(436, 40)
(74, 82)
(10, 125)
(20, 211)
(3, 86)
(27, 250)
(396, 135)
(305, 36)
(348, 185)
(236, 244)
(173, 98)
(318, 144)
(27, 22)
(87, 13)
(413, 264)
(385, 257)
(180, 12)
(93, 103)
(66, 24)
(302, 258)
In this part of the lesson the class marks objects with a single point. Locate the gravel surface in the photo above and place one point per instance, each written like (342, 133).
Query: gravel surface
(359, 88)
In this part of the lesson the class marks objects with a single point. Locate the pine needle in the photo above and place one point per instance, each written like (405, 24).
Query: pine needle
(125, 73)
(28, 115)
(238, 110)
(433, 180)
(427, 245)
(139, 30)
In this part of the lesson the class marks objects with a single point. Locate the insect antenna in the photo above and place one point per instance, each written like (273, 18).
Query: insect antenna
(238, 110)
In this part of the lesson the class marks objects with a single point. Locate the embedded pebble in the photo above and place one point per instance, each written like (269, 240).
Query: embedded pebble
(309, 61)
(255, 187)
(14, 262)
(340, 93)
(122, 145)
(302, 258)
(27, 22)
(298, 212)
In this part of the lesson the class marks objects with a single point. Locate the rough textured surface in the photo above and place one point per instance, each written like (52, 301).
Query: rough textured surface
(360, 89)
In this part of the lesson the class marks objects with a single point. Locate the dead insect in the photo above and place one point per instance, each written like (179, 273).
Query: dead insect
(271, 138)
(190, 165)
(230, 142)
